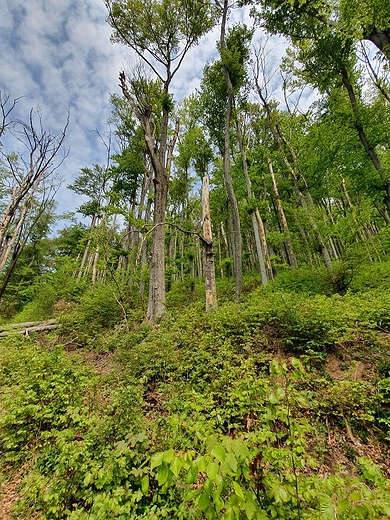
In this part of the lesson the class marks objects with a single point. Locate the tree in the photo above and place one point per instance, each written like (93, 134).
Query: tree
(328, 63)
(160, 33)
(351, 19)
(221, 83)
(28, 183)
(94, 183)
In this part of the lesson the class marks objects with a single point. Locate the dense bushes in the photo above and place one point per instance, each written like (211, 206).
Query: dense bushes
(205, 416)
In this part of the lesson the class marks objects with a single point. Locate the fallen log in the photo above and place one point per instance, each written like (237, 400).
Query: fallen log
(26, 324)
(26, 328)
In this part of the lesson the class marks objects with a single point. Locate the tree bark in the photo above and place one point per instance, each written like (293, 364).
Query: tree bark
(236, 238)
(369, 149)
(209, 265)
(161, 159)
(156, 300)
(283, 221)
(257, 221)
(381, 39)
(87, 245)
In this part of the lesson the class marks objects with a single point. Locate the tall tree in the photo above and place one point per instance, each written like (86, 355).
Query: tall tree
(160, 33)
(28, 178)
(222, 82)
(356, 19)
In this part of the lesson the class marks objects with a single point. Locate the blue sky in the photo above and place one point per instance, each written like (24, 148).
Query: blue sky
(57, 54)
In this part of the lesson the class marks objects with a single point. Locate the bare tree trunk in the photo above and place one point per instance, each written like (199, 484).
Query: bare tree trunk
(86, 250)
(236, 238)
(94, 267)
(257, 221)
(8, 245)
(283, 221)
(182, 258)
(161, 159)
(209, 267)
(15, 256)
(156, 301)
(296, 175)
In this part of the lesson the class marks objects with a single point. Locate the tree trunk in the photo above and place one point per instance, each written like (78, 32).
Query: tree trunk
(209, 267)
(281, 142)
(257, 221)
(381, 39)
(86, 250)
(15, 257)
(160, 154)
(264, 245)
(8, 245)
(236, 238)
(370, 151)
(94, 268)
(156, 300)
(283, 221)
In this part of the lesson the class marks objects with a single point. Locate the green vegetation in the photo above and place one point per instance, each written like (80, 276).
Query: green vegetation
(277, 407)
(273, 404)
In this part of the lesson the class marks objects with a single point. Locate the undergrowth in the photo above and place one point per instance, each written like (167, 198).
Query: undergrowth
(277, 407)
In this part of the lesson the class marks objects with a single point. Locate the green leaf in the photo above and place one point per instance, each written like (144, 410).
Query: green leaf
(327, 508)
(162, 475)
(88, 479)
(204, 501)
(121, 446)
(277, 396)
(145, 484)
(238, 491)
(192, 475)
(281, 495)
(218, 503)
(168, 455)
(229, 514)
(219, 453)
(231, 462)
(176, 465)
(212, 470)
(156, 460)
(240, 449)
(250, 509)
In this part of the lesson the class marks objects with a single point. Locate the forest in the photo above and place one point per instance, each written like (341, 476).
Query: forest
(208, 335)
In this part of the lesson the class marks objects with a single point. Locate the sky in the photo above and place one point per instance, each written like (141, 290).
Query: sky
(57, 54)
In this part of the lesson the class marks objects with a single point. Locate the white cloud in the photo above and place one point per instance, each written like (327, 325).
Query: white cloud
(57, 54)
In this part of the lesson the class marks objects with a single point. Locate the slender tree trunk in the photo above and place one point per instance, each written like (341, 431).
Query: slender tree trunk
(15, 256)
(182, 258)
(257, 222)
(220, 254)
(236, 238)
(156, 301)
(281, 142)
(94, 267)
(283, 221)
(209, 267)
(370, 151)
(86, 250)
(8, 245)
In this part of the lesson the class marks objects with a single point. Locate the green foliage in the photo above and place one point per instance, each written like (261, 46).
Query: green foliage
(98, 309)
(41, 391)
(79, 433)
(196, 418)
(303, 280)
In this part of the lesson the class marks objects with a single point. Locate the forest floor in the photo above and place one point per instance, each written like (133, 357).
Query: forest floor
(135, 422)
